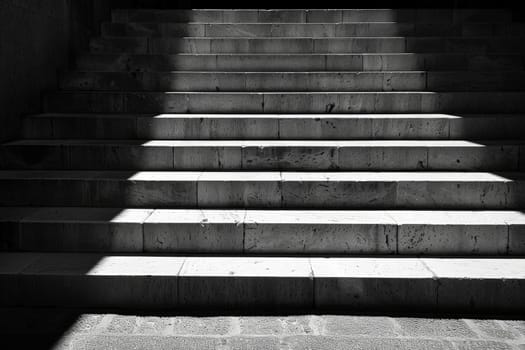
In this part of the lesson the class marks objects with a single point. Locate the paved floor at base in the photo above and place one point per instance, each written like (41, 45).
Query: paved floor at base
(73, 329)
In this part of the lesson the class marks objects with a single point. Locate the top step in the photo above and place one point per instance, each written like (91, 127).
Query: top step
(314, 15)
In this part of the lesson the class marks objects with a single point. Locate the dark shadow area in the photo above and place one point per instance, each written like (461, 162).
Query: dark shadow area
(289, 4)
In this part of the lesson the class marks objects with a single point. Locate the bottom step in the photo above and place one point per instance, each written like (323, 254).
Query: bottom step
(160, 282)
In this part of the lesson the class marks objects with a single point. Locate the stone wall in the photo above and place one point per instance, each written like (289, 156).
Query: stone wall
(37, 37)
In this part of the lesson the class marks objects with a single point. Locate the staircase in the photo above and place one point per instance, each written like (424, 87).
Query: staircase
(327, 159)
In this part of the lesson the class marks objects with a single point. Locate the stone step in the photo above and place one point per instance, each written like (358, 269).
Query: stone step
(262, 232)
(275, 127)
(315, 30)
(294, 81)
(299, 62)
(314, 15)
(231, 282)
(315, 155)
(473, 45)
(284, 102)
(337, 190)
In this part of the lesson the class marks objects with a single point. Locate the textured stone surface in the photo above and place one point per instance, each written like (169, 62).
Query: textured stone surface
(435, 328)
(195, 231)
(299, 62)
(96, 280)
(277, 102)
(78, 229)
(347, 283)
(304, 29)
(263, 231)
(78, 329)
(340, 343)
(341, 190)
(270, 127)
(276, 326)
(359, 326)
(378, 155)
(245, 282)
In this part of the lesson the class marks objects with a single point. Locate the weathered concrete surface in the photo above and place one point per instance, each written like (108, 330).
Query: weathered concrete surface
(224, 282)
(285, 102)
(273, 127)
(293, 81)
(81, 329)
(336, 190)
(82, 230)
(299, 62)
(287, 155)
(262, 231)
(206, 45)
(112, 29)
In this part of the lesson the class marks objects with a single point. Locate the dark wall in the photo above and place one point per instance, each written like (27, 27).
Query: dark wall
(37, 38)
(270, 4)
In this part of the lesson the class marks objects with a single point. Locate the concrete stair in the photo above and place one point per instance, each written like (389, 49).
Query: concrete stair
(166, 282)
(276, 127)
(304, 232)
(264, 155)
(287, 190)
(285, 102)
(301, 62)
(314, 30)
(303, 159)
(200, 45)
(294, 81)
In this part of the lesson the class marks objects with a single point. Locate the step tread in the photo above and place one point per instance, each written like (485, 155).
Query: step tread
(300, 9)
(130, 23)
(206, 54)
(273, 38)
(264, 176)
(240, 216)
(63, 264)
(267, 143)
(276, 93)
(273, 116)
(285, 54)
(283, 72)
(441, 72)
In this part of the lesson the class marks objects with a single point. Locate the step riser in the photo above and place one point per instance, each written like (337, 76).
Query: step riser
(365, 158)
(269, 194)
(307, 45)
(338, 82)
(383, 102)
(309, 30)
(255, 238)
(311, 284)
(262, 232)
(293, 63)
(314, 16)
(246, 128)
